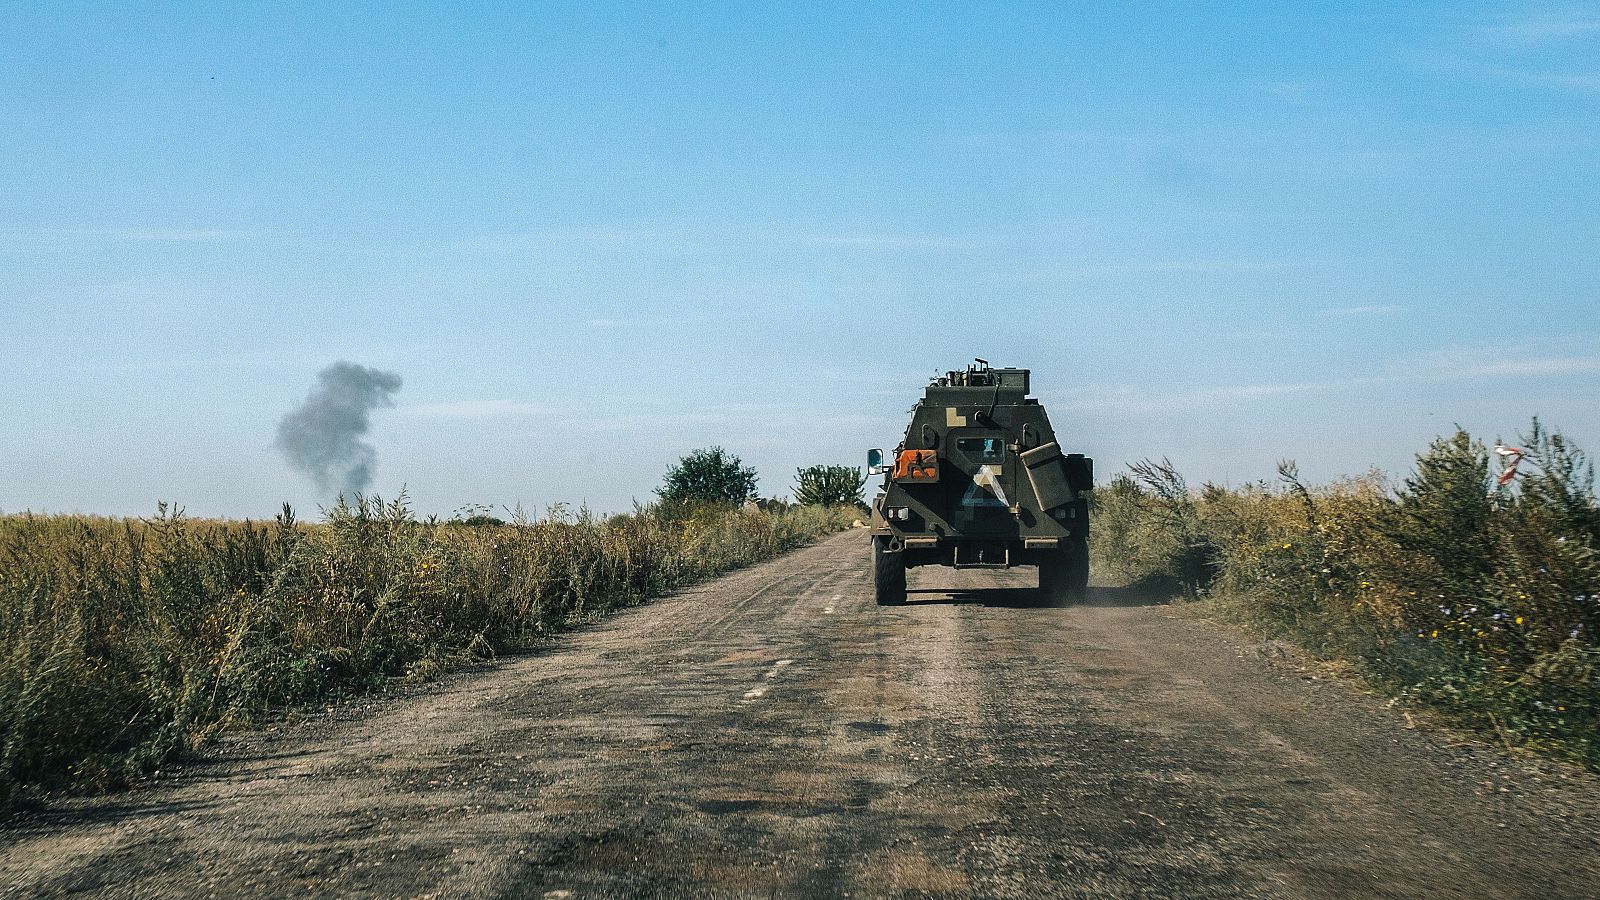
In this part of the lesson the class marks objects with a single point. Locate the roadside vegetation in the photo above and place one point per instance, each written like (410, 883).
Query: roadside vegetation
(1473, 599)
(829, 486)
(123, 641)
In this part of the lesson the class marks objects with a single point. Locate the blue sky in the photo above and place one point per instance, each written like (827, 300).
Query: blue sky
(594, 237)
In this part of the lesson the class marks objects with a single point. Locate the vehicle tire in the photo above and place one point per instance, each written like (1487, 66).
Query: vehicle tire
(888, 575)
(1064, 576)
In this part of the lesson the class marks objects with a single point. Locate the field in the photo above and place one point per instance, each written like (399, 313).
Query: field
(123, 641)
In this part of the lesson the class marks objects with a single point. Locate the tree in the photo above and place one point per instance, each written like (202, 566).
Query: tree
(1445, 509)
(828, 485)
(708, 476)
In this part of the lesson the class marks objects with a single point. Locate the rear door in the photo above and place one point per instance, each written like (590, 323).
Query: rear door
(982, 488)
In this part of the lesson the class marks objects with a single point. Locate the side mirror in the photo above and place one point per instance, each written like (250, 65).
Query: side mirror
(875, 464)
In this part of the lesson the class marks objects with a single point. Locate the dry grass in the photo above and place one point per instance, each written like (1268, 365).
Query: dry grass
(123, 641)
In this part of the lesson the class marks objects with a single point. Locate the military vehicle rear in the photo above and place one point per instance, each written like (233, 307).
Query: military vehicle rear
(981, 481)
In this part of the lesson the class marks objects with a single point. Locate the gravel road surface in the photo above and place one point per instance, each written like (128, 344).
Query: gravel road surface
(773, 733)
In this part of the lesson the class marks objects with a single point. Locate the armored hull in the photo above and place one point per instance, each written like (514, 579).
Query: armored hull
(980, 481)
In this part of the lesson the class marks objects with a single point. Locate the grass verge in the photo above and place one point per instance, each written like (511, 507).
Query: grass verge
(124, 641)
(1472, 599)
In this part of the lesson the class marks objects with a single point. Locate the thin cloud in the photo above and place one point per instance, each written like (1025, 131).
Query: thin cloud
(1545, 30)
(1578, 82)
(1547, 365)
(1442, 368)
(1349, 311)
(182, 235)
(1214, 266)
(677, 234)
(900, 242)
(606, 323)
(1533, 50)
(156, 234)
(1571, 81)
(475, 409)
(527, 241)
(658, 421)
(53, 239)
(1132, 400)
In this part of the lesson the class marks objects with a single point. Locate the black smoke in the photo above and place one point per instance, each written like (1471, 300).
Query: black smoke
(323, 437)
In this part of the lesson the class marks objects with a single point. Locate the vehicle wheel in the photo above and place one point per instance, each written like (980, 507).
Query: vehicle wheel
(1064, 577)
(888, 575)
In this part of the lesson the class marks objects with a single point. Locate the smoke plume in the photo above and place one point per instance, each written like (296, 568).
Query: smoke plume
(322, 437)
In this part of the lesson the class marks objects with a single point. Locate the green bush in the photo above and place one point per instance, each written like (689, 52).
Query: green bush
(1147, 530)
(122, 641)
(708, 476)
(828, 485)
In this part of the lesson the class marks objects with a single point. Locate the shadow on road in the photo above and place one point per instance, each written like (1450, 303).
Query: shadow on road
(1126, 596)
(43, 819)
(1027, 597)
(1014, 598)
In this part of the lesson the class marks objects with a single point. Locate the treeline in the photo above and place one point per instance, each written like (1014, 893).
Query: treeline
(122, 641)
(1473, 598)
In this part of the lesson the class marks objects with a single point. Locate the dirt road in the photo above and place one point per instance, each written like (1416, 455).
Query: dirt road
(775, 733)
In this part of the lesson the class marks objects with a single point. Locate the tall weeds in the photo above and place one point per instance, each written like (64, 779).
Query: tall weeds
(122, 641)
(1480, 601)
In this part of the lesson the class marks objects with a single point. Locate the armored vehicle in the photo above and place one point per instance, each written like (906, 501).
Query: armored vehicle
(980, 481)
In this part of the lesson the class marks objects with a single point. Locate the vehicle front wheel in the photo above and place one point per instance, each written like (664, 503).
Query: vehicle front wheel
(888, 574)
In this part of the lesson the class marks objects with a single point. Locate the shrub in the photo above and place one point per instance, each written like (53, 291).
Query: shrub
(828, 486)
(1147, 529)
